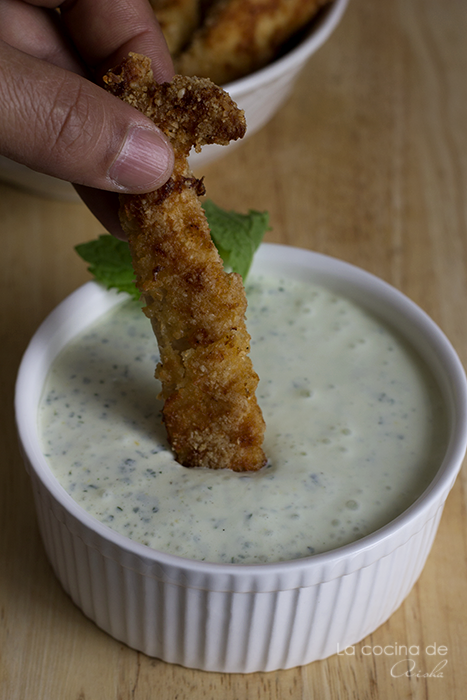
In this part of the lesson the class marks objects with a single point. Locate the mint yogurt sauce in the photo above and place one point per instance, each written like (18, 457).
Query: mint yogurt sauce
(355, 432)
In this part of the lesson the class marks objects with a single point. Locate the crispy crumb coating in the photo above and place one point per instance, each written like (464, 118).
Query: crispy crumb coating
(238, 37)
(178, 20)
(197, 310)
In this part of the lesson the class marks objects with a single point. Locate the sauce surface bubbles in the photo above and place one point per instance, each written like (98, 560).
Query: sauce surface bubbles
(355, 432)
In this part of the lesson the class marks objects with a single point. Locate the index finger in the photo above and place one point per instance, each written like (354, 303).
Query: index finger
(105, 31)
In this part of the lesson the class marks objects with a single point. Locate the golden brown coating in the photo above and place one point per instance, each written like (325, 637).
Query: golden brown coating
(197, 310)
(178, 20)
(240, 36)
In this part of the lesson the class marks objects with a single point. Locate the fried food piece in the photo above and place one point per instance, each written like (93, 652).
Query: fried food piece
(197, 310)
(240, 36)
(178, 20)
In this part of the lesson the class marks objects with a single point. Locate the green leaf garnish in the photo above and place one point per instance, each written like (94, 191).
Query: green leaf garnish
(110, 262)
(236, 237)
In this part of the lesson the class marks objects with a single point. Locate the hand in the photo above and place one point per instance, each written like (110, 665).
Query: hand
(56, 119)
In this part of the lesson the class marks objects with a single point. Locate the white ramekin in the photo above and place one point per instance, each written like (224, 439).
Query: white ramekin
(234, 618)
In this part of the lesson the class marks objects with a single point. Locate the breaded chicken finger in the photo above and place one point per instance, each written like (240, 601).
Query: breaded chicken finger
(240, 36)
(178, 20)
(197, 310)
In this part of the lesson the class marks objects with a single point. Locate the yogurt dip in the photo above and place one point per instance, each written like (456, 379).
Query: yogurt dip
(355, 432)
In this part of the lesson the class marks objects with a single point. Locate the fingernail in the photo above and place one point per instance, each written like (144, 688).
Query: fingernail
(145, 161)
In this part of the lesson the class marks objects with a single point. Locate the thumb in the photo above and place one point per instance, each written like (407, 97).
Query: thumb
(61, 124)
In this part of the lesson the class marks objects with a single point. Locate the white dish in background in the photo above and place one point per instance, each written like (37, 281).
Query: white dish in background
(228, 617)
(260, 95)
(12, 173)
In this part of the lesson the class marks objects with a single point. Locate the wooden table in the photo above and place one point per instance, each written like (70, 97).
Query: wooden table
(366, 162)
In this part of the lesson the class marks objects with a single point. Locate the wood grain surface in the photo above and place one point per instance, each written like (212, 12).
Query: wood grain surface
(366, 162)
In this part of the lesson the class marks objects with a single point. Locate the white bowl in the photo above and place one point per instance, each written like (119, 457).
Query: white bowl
(260, 95)
(234, 618)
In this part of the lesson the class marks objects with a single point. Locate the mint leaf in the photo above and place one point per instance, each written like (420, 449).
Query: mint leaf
(110, 262)
(236, 236)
